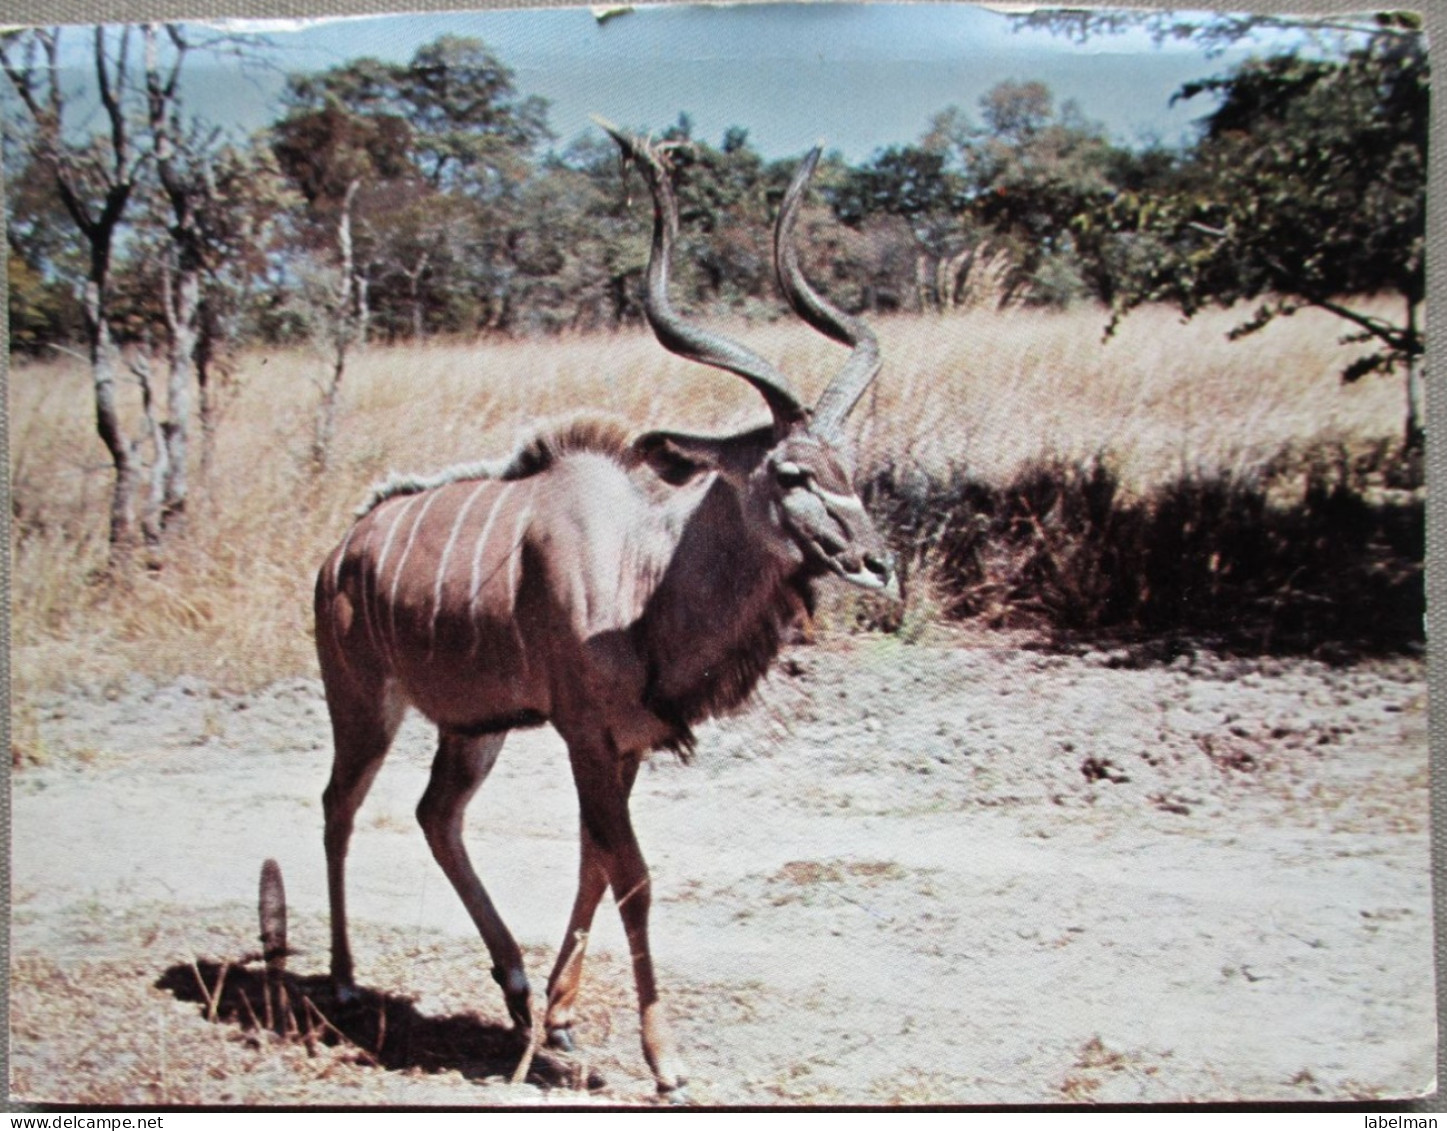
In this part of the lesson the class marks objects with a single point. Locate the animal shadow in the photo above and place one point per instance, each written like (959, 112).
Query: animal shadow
(382, 1030)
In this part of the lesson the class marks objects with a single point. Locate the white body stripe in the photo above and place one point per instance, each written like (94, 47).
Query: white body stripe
(514, 566)
(514, 559)
(431, 498)
(341, 557)
(447, 557)
(477, 551)
(368, 594)
(386, 645)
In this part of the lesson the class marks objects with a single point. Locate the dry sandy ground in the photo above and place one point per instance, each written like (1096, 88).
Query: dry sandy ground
(908, 875)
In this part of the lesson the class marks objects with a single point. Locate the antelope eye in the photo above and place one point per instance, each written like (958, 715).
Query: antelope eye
(790, 474)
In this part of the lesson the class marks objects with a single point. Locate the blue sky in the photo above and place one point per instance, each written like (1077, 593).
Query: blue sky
(857, 76)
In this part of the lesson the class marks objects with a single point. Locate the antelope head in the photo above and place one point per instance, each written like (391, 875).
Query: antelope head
(793, 477)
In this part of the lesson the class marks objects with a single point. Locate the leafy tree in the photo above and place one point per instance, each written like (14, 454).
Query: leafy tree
(908, 181)
(143, 171)
(577, 250)
(1307, 188)
(976, 197)
(188, 282)
(727, 195)
(726, 249)
(41, 312)
(415, 139)
(393, 161)
(915, 185)
(472, 129)
(1032, 170)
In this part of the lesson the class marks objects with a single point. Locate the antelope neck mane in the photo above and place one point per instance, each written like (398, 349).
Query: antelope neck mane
(731, 680)
(597, 433)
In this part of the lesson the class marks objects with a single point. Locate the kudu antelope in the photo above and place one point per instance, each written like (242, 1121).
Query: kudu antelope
(620, 589)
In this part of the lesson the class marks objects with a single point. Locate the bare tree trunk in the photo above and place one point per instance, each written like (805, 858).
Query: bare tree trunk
(104, 358)
(206, 394)
(182, 303)
(1416, 428)
(181, 300)
(152, 512)
(414, 292)
(325, 427)
(346, 320)
(78, 175)
(922, 283)
(362, 314)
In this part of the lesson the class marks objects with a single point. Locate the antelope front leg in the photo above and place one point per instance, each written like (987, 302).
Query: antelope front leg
(459, 768)
(602, 782)
(568, 972)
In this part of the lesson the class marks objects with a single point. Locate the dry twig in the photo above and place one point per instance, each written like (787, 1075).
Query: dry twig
(327, 1025)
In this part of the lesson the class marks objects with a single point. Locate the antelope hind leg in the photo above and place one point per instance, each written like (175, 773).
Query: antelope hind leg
(362, 732)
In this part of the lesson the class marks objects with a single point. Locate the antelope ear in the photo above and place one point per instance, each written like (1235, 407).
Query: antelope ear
(676, 458)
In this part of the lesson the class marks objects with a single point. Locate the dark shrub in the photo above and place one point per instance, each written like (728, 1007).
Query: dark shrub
(1314, 553)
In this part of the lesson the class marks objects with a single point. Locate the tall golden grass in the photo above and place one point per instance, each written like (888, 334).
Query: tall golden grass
(990, 391)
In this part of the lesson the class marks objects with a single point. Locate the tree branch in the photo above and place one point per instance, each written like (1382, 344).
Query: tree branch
(111, 93)
(1402, 339)
(49, 146)
(22, 78)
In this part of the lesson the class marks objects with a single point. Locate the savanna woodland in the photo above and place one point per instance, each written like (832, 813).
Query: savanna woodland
(1145, 393)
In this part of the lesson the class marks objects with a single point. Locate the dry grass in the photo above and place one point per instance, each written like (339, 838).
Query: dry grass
(995, 391)
(991, 392)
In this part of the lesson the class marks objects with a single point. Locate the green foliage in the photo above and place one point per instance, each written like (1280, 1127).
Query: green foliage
(44, 265)
(908, 181)
(237, 199)
(469, 123)
(430, 159)
(323, 151)
(1307, 187)
(450, 116)
(41, 312)
(1015, 185)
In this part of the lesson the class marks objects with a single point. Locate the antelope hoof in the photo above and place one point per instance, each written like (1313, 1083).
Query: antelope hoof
(560, 1037)
(346, 991)
(675, 1095)
(521, 1013)
(516, 993)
